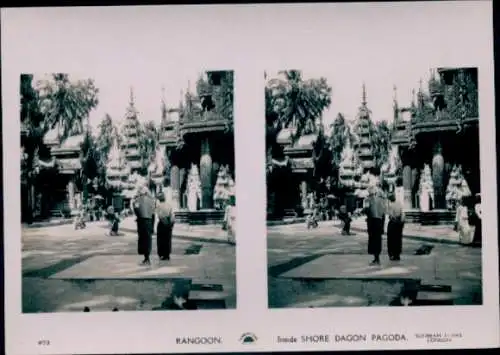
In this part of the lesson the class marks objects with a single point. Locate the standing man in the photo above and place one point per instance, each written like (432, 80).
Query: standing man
(375, 210)
(144, 208)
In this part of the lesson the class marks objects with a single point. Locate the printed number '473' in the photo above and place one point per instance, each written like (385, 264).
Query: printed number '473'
(44, 342)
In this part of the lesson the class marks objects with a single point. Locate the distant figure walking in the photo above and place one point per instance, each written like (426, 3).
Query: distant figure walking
(114, 220)
(345, 218)
(164, 228)
(79, 221)
(144, 205)
(375, 211)
(395, 228)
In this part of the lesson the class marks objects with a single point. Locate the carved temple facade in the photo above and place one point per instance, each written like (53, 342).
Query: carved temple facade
(51, 190)
(197, 140)
(437, 136)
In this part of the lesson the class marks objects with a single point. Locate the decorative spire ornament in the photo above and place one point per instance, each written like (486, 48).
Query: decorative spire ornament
(363, 99)
(163, 106)
(132, 96)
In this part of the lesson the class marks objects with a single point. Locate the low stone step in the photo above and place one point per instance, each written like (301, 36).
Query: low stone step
(207, 295)
(206, 287)
(435, 288)
(210, 304)
(427, 298)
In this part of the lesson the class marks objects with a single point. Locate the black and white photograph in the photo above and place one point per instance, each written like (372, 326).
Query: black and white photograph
(285, 177)
(373, 208)
(127, 193)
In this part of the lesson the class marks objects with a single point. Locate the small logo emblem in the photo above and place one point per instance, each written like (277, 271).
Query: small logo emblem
(248, 338)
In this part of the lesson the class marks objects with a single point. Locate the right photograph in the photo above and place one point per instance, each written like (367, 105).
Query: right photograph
(373, 189)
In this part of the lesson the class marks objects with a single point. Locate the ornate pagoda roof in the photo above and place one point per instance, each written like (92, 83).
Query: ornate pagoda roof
(363, 111)
(68, 165)
(429, 118)
(70, 145)
(52, 137)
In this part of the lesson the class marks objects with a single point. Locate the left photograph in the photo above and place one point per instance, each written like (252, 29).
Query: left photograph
(127, 192)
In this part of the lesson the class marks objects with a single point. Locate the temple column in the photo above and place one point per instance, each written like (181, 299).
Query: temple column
(438, 177)
(407, 187)
(303, 194)
(206, 175)
(215, 173)
(71, 195)
(182, 177)
(175, 185)
(414, 187)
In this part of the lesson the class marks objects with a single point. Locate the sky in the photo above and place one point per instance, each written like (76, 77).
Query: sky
(115, 89)
(148, 48)
(347, 89)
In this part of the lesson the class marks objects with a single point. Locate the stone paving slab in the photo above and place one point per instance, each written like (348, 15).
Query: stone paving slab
(207, 233)
(357, 267)
(53, 295)
(437, 234)
(128, 267)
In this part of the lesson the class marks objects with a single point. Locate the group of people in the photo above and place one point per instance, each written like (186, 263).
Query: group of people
(146, 209)
(378, 205)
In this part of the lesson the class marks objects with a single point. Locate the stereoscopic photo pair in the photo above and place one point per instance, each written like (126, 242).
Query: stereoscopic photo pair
(129, 212)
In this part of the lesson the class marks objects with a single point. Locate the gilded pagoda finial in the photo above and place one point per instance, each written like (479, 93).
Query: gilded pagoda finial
(395, 103)
(131, 96)
(364, 95)
(163, 105)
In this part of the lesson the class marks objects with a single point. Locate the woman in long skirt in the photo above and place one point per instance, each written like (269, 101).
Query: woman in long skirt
(395, 228)
(164, 228)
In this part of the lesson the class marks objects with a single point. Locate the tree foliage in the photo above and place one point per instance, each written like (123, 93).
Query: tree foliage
(381, 143)
(148, 136)
(31, 123)
(340, 131)
(105, 136)
(296, 102)
(66, 103)
(225, 97)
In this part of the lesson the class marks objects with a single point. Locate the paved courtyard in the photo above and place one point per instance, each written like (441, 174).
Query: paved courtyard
(66, 270)
(322, 268)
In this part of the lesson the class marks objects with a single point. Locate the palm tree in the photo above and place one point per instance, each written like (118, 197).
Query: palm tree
(381, 142)
(298, 103)
(66, 104)
(32, 131)
(148, 141)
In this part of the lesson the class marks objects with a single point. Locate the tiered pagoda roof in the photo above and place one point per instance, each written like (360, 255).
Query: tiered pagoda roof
(65, 152)
(157, 166)
(130, 128)
(199, 112)
(117, 169)
(299, 151)
(363, 146)
(348, 167)
(450, 104)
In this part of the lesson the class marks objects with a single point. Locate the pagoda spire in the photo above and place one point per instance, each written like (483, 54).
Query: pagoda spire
(131, 96)
(395, 103)
(163, 105)
(363, 99)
